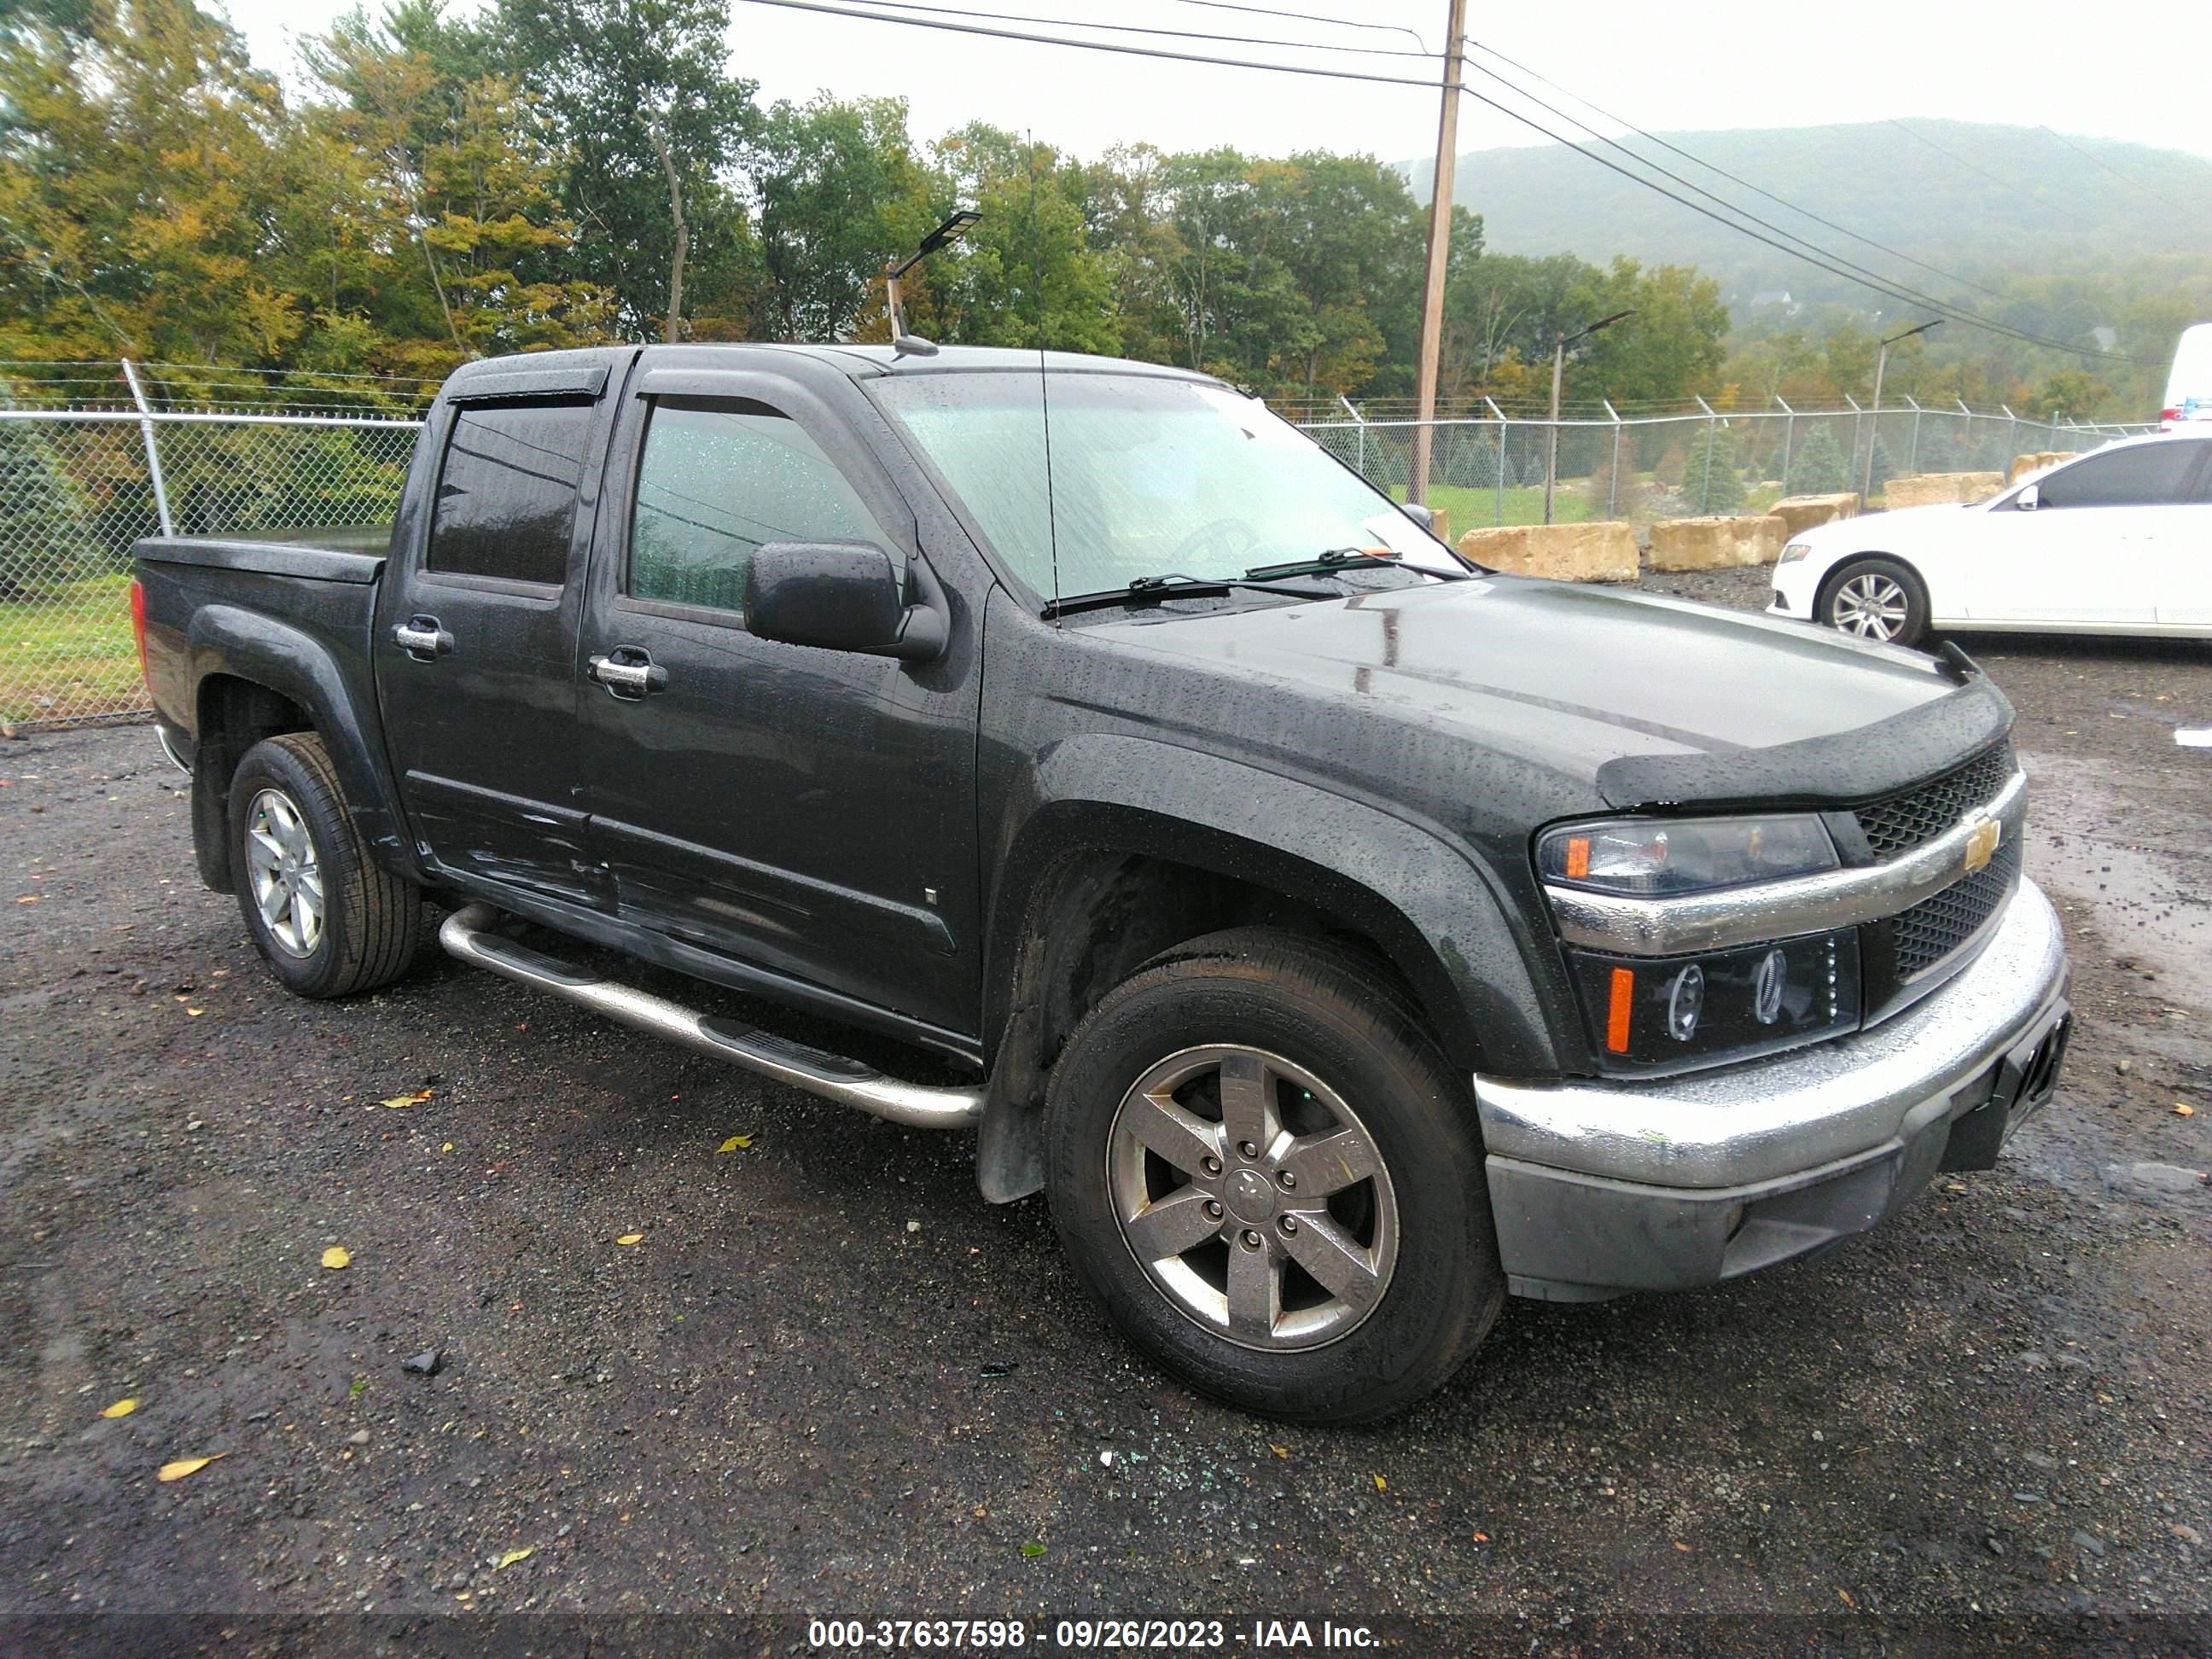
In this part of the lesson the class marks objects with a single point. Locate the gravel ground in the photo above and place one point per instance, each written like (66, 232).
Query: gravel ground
(828, 1379)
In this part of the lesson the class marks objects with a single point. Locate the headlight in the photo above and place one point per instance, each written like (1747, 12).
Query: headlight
(1649, 1014)
(1794, 552)
(1651, 858)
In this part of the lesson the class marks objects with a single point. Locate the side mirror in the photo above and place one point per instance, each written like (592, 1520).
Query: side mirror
(2029, 500)
(840, 596)
(1424, 516)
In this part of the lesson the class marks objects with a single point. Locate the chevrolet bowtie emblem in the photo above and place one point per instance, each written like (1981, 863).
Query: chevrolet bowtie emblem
(1982, 841)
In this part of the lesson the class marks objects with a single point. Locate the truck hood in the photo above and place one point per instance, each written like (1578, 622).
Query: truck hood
(1646, 700)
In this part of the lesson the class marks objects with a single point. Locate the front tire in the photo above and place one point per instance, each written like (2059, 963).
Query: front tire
(328, 920)
(1269, 1177)
(1876, 598)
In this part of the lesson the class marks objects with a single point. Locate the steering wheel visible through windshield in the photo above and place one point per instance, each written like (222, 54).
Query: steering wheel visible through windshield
(1150, 477)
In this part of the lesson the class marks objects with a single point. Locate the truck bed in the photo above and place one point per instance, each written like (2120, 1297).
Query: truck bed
(350, 553)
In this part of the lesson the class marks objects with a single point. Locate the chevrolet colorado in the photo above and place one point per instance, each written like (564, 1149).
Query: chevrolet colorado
(1342, 935)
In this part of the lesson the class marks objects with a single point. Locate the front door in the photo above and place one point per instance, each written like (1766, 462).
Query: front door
(2090, 550)
(806, 812)
(476, 645)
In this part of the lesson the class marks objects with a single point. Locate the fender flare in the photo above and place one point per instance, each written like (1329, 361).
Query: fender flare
(229, 641)
(1430, 905)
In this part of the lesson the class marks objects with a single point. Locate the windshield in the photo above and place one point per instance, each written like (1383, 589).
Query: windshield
(1151, 476)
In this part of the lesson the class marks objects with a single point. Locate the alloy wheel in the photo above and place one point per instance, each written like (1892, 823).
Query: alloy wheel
(286, 875)
(1253, 1197)
(1872, 606)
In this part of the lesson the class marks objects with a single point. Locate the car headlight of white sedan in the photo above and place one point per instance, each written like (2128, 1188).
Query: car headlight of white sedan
(1794, 552)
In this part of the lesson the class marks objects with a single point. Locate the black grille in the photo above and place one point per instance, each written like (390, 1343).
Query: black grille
(1935, 928)
(1906, 821)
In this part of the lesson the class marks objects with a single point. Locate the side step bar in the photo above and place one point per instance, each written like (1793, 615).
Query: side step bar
(467, 934)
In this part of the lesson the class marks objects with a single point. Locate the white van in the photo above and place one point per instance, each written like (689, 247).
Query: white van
(2189, 390)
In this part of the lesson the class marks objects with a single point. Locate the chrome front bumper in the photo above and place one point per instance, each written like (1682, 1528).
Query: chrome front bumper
(1602, 1186)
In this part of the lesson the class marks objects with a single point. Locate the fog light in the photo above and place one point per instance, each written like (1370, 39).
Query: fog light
(1686, 1000)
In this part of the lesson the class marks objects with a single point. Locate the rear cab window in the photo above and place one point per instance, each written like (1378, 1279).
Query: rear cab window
(507, 485)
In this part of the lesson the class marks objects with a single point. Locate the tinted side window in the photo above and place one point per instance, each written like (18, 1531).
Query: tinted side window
(507, 494)
(716, 481)
(2149, 475)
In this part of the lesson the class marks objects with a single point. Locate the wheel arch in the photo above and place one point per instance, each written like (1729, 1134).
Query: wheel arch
(1091, 887)
(256, 677)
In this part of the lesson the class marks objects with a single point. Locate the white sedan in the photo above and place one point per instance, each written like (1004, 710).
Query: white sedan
(2117, 542)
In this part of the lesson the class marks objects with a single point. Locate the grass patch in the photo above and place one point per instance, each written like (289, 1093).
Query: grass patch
(66, 653)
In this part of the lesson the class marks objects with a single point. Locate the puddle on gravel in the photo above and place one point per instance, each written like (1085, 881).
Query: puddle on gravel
(2148, 905)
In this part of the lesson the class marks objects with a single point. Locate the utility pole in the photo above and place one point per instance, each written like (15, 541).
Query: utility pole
(1440, 224)
(1873, 437)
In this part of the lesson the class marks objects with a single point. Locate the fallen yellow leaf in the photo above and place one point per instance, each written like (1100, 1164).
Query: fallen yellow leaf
(185, 1465)
(631, 1238)
(397, 1102)
(1279, 1451)
(735, 1144)
(1381, 1484)
(336, 1257)
(195, 1012)
(2183, 1109)
(1844, 1596)
(447, 1147)
(1681, 1545)
(121, 1408)
(513, 1556)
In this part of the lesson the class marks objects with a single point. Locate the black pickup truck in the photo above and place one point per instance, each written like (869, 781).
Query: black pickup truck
(1341, 934)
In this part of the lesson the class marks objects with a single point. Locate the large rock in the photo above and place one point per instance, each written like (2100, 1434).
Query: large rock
(2024, 464)
(1715, 544)
(1941, 489)
(1803, 512)
(1602, 551)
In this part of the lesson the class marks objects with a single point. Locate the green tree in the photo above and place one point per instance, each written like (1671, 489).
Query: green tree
(652, 126)
(1818, 466)
(142, 157)
(840, 193)
(1713, 480)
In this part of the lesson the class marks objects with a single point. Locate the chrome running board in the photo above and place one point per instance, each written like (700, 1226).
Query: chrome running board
(467, 934)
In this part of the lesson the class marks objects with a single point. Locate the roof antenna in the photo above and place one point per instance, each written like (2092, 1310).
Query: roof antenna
(1044, 394)
(904, 344)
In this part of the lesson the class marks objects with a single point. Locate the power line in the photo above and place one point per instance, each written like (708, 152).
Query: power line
(1141, 28)
(1316, 17)
(1849, 269)
(1818, 258)
(2095, 161)
(1895, 253)
(1098, 46)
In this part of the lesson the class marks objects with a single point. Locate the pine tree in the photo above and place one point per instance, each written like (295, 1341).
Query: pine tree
(1819, 467)
(1714, 479)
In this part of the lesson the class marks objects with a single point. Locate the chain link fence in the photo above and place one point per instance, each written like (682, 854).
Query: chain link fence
(1491, 469)
(93, 456)
(79, 485)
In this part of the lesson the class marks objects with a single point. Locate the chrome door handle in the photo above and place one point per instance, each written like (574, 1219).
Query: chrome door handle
(421, 638)
(629, 680)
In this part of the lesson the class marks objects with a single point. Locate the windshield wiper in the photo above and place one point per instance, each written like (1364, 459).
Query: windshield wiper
(1150, 589)
(1339, 560)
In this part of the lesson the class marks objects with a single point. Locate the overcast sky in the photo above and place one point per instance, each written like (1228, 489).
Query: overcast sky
(1711, 64)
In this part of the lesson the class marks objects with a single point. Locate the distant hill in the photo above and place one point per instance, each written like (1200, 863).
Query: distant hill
(1977, 198)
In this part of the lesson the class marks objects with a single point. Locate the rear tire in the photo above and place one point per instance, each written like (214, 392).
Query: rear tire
(1337, 1262)
(1876, 598)
(328, 920)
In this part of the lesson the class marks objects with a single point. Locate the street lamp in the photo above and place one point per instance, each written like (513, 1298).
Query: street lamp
(1559, 368)
(903, 343)
(1874, 427)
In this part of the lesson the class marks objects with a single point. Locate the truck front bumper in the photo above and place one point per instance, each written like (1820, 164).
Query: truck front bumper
(1599, 1187)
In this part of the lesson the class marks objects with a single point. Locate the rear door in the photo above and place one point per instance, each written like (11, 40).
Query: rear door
(476, 649)
(810, 813)
(2091, 550)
